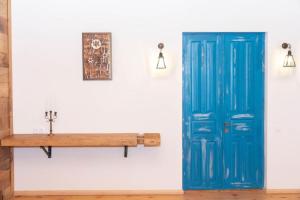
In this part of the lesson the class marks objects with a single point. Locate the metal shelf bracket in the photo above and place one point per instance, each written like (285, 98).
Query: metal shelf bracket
(125, 151)
(48, 151)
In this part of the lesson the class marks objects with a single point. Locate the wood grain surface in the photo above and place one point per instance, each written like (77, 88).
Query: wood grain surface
(81, 140)
(6, 171)
(195, 195)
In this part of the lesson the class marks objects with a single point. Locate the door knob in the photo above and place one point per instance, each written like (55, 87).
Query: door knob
(227, 124)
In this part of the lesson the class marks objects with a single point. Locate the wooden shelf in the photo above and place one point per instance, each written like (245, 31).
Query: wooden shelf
(81, 140)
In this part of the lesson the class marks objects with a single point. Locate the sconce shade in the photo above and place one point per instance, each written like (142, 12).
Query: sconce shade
(161, 60)
(289, 59)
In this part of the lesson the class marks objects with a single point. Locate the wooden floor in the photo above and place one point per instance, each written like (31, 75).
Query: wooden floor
(193, 195)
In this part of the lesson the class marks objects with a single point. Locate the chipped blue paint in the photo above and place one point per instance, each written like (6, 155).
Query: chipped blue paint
(223, 104)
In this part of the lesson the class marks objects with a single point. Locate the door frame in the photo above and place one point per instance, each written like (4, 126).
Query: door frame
(185, 98)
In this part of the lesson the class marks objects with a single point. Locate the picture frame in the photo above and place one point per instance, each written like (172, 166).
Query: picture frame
(97, 55)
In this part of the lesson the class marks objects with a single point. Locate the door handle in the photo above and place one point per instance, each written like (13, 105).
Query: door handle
(227, 124)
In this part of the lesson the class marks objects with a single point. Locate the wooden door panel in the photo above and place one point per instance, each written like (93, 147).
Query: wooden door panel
(202, 110)
(243, 134)
(205, 161)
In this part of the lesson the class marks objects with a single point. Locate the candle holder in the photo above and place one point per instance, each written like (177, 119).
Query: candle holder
(50, 116)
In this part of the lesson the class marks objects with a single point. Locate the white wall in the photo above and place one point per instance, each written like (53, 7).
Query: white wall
(47, 73)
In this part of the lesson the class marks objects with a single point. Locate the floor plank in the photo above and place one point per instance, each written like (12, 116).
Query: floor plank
(193, 195)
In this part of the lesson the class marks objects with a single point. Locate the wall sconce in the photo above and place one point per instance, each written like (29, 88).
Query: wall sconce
(289, 59)
(161, 60)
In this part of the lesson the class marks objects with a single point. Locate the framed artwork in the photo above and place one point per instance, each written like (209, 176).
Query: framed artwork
(96, 56)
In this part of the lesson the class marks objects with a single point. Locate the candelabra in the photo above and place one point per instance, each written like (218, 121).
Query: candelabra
(50, 116)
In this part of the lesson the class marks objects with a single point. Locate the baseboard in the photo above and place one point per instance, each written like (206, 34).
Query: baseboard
(263, 191)
(135, 192)
(97, 192)
(283, 191)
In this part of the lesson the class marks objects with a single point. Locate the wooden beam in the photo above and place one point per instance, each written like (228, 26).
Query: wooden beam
(81, 140)
(71, 140)
(151, 139)
(6, 156)
(5, 184)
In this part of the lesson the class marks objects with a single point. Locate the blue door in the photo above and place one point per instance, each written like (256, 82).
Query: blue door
(223, 110)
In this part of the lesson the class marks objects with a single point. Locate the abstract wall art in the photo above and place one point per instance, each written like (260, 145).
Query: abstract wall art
(96, 56)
